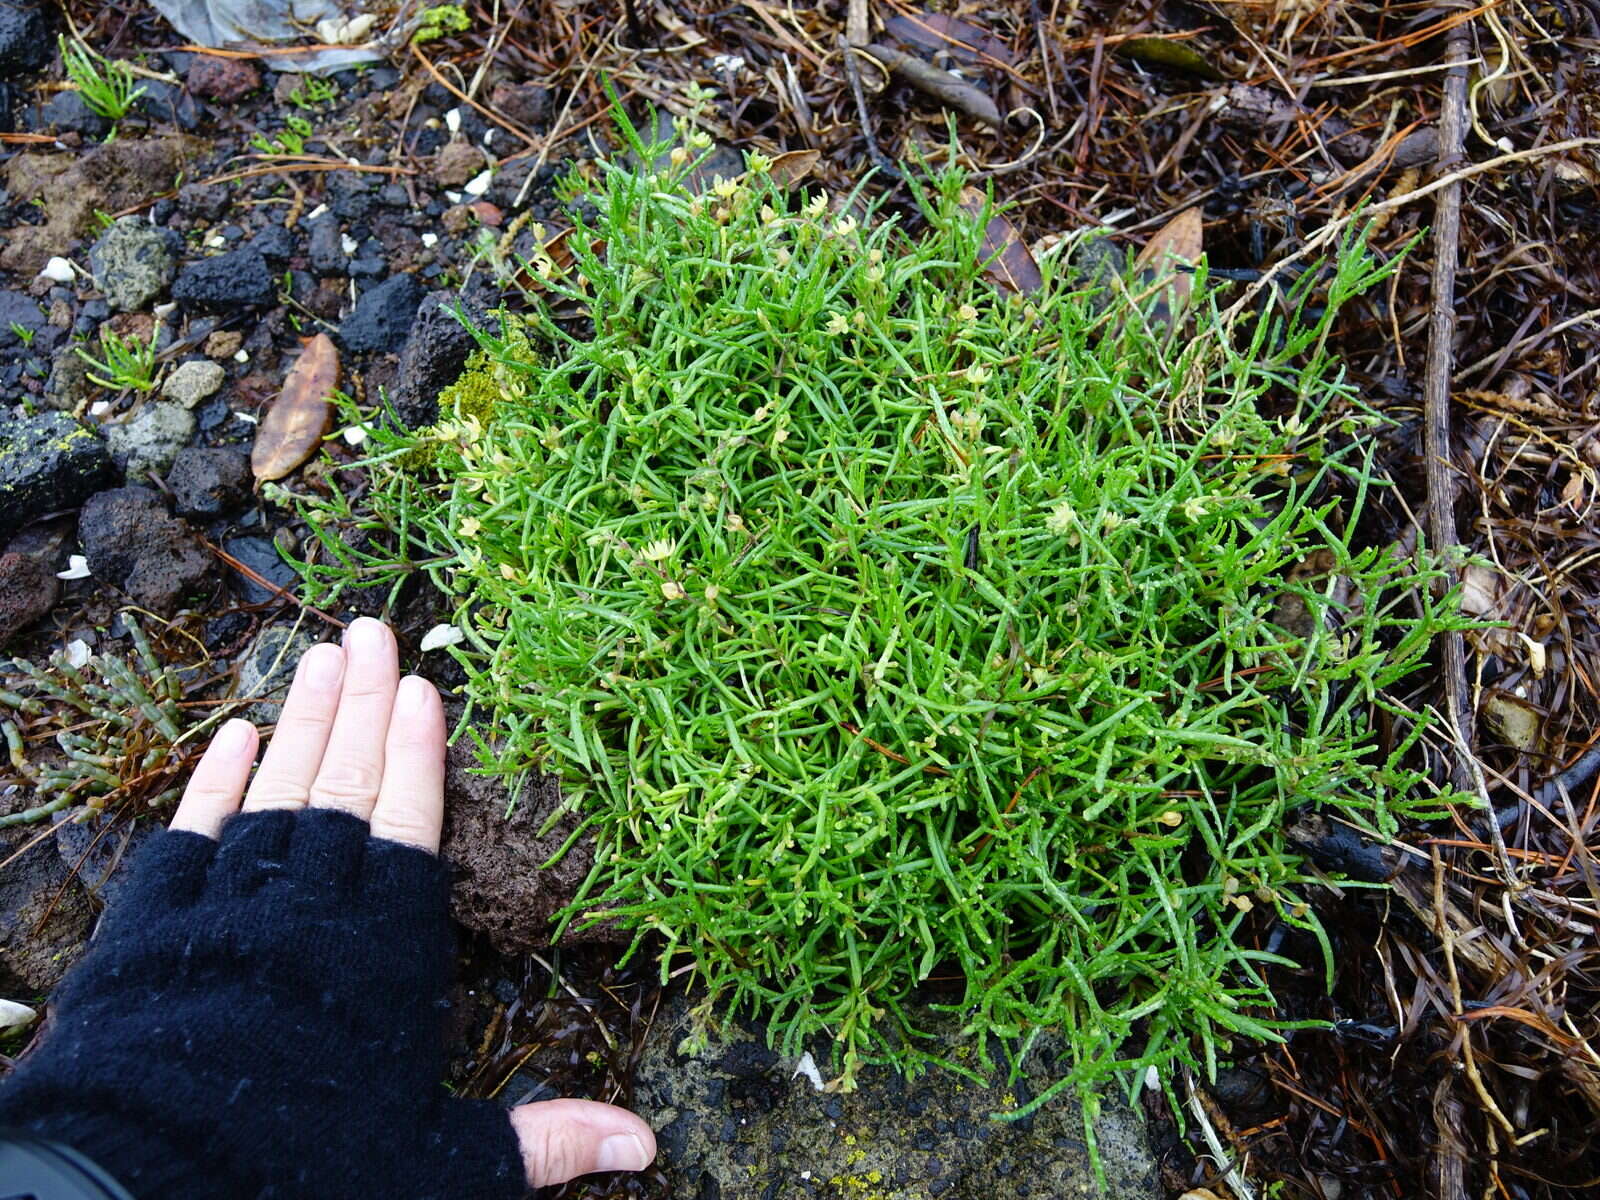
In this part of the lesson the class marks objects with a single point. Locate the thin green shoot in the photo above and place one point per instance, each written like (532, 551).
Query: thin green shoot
(106, 84)
(126, 364)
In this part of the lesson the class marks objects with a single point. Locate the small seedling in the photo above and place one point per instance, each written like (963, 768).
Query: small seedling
(22, 333)
(292, 140)
(105, 84)
(126, 365)
(311, 92)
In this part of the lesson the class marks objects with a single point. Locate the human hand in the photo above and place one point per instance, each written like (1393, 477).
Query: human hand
(262, 1009)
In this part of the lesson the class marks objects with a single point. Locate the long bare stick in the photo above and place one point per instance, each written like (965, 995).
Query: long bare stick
(1436, 382)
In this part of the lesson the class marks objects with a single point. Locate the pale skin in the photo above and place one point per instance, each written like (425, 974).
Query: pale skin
(355, 736)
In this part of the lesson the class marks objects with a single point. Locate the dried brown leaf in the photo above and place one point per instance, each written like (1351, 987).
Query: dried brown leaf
(1176, 245)
(794, 166)
(934, 32)
(295, 422)
(1005, 255)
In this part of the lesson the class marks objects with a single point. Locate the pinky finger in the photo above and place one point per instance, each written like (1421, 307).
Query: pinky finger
(217, 785)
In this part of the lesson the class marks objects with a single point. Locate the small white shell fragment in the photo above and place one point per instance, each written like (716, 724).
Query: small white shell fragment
(479, 183)
(441, 636)
(77, 568)
(348, 244)
(354, 435)
(247, 418)
(315, 213)
(78, 653)
(807, 1066)
(58, 270)
(100, 409)
(241, 356)
(452, 120)
(430, 240)
(16, 1016)
(337, 31)
(453, 197)
(489, 135)
(162, 311)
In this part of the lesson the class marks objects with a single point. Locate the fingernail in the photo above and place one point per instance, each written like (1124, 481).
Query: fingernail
(232, 738)
(413, 696)
(323, 665)
(366, 635)
(622, 1152)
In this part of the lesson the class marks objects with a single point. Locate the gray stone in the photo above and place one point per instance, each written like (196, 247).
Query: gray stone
(266, 668)
(235, 280)
(25, 42)
(151, 438)
(47, 462)
(28, 590)
(69, 386)
(46, 916)
(733, 1120)
(208, 482)
(383, 315)
(132, 264)
(260, 555)
(132, 542)
(19, 311)
(193, 382)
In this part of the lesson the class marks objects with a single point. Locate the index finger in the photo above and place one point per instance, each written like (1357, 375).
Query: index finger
(410, 806)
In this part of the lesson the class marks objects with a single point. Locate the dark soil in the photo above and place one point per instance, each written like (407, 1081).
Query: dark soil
(1459, 1051)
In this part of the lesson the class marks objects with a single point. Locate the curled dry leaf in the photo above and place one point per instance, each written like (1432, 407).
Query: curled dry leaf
(793, 166)
(1005, 256)
(1176, 247)
(295, 422)
(935, 32)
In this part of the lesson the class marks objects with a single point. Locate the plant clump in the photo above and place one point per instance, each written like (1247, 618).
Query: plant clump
(125, 740)
(901, 639)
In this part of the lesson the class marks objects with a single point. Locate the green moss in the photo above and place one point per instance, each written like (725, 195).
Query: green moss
(440, 21)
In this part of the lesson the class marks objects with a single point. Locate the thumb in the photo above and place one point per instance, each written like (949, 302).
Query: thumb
(562, 1139)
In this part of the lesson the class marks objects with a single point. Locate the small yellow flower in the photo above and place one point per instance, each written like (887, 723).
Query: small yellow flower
(837, 324)
(735, 523)
(1224, 437)
(768, 216)
(967, 313)
(977, 374)
(470, 527)
(858, 319)
(508, 572)
(672, 590)
(815, 207)
(874, 274)
(1114, 520)
(659, 550)
(1172, 818)
(781, 257)
(845, 226)
(1195, 507)
(780, 435)
(1063, 518)
(679, 156)
(757, 162)
(725, 188)
(874, 256)
(712, 592)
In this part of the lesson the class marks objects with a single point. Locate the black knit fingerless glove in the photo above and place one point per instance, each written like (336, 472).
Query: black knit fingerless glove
(263, 1018)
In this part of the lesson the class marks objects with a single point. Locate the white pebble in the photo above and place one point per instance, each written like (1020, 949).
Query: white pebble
(354, 435)
(16, 1016)
(452, 120)
(58, 270)
(349, 244)
(78, 653)
(430, 240)
(441, 636)
(77, 568)
(479, 183)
